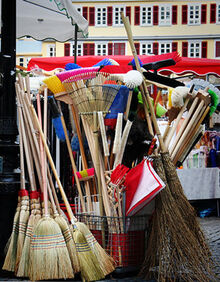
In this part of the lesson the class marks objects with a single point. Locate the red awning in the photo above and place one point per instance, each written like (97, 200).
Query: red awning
(183, 65)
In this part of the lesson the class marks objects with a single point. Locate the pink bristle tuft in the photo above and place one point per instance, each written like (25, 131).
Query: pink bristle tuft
(77, 74)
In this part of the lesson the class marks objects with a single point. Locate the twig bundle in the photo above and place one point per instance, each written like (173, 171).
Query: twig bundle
(174, 251)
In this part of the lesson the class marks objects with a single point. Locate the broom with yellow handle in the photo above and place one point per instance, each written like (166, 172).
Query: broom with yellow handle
(176, 246)
(89, 264)
(59, 218)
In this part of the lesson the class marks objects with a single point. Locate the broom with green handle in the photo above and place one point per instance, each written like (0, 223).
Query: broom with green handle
(176, 228)
(89, 264)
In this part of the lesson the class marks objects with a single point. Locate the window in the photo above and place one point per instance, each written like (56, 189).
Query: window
(101, 16)
(165, 15)
(117, 21)
(79, 49)
(119, 48)
(146, 48)
(194, 50)
(218, 13)
(194, 12)
(146, 15)
(51, 50)
(21, 61)
(165, 47)
(217, 49)
(101, 49)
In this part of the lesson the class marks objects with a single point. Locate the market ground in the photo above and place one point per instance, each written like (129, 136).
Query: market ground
(211, 228)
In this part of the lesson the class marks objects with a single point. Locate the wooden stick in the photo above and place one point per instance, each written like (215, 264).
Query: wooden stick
(145, 93)
(173, 129)
(191, 133)
(187, 129)
(184, 124)
(128, 104)
(73, 164)
(69, 210)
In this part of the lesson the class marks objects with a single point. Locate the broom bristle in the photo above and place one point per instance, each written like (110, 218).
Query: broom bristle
(173, 250)
(89, 265)
(23, 220)
(23, 269)
(49, 257)
(9, 262)
(106, 262)
(79, 73)
(69, 242)
(54, 84)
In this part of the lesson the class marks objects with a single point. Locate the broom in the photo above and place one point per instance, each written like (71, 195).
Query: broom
(183, 243)
(59, 218)
(54, 84)
(10, 259)
(89, 264)
(106, 262)
(49, 255)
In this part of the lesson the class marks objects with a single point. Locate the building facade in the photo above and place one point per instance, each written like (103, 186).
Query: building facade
(190, 27)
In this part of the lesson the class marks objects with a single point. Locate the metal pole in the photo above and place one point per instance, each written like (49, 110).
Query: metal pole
(75, 43)
(8, 126)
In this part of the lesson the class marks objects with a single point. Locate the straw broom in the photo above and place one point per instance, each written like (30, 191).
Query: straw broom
(10, 259)
(60, 220)
(89, 265)
(186, 254)
(106, 262)
(49, 257)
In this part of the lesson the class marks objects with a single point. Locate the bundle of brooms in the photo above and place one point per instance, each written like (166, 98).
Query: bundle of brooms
(177, 248)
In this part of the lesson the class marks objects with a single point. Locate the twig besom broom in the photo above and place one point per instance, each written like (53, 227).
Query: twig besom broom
(179, 251)
(49, 255)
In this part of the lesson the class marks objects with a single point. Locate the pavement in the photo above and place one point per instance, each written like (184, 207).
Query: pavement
(211, 229)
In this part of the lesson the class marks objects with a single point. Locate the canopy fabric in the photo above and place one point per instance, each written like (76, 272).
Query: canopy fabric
(183, 65)
(49, 19)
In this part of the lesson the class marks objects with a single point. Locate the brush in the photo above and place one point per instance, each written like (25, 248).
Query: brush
(49, 255)
(89, 264)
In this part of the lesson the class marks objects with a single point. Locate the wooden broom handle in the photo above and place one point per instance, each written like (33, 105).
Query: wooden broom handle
(173, 129)
(191, 133)
(78, 131)
(134, 52)
(188, 127)
(73, 163)
(69, 210)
